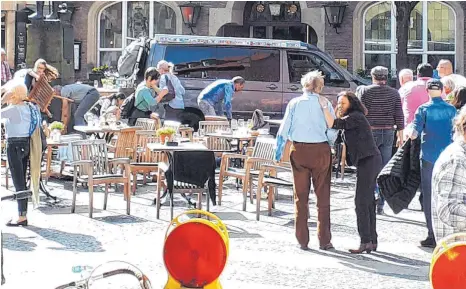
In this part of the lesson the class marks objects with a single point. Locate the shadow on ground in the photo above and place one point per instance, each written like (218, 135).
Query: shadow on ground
(15, 243)
(69, 241)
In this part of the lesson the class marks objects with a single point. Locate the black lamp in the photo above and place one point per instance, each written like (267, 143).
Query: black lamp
(335, 12)
(191, 13)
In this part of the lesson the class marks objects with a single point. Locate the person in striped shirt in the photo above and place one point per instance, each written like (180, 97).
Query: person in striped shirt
(385, 114)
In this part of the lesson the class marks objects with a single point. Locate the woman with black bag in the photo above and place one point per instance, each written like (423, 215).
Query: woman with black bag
(363, 152)
(172, 92)
(144, 100)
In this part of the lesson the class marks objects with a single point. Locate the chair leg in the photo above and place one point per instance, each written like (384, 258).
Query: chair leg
(75, 191)
(245, 194)
(199, 203)
(135, 180)
(105, 197)
(144, 180)
(220, 188)
(127, 192)
(251, 195)
(258, 200)
(157, 200)
(270, 199)
(91, 198)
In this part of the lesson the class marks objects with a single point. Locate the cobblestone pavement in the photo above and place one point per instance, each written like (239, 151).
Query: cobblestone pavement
(262, 254)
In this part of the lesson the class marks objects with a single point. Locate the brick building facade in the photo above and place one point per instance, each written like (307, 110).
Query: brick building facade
(366, 37)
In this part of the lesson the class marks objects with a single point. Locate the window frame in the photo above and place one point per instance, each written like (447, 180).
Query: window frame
(124, 25)
(424, 52)
(344, 82)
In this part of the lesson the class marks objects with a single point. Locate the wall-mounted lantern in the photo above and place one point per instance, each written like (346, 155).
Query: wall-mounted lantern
(191, 13)
(335, 13)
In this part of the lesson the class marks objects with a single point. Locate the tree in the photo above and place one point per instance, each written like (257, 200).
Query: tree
(403, 19)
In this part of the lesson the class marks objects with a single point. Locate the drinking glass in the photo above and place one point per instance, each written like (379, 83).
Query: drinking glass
(234, 124)
(241, 123)
(250, 123)
(201, 132)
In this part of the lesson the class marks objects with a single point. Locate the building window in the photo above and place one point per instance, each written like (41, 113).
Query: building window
(431, 35)
(121, 23)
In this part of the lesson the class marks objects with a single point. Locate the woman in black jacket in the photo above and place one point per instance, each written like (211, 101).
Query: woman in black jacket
(364, 153)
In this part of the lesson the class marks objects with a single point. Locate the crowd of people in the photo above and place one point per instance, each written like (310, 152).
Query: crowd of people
(371, 120)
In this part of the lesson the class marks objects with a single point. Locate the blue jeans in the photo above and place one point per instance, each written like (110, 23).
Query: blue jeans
(426, 190)
(384, 141)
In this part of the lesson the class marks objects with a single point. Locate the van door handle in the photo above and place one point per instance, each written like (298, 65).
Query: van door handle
(272, 86)
(293, 88)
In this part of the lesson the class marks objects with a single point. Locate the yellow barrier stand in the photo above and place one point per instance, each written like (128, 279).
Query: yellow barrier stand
(195, 251)
(448, 268)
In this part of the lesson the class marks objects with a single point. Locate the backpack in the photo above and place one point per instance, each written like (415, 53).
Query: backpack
(132, 57)
(127, 106)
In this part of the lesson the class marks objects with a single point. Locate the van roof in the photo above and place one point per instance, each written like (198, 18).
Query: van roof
(230, 41)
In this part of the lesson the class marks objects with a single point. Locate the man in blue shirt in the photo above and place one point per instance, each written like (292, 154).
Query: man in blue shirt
(304, 124)
(218, 92)
(434, 122)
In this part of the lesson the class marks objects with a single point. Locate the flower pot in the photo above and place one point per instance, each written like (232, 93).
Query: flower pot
(96, 76)
(56, 135)
(164, 138)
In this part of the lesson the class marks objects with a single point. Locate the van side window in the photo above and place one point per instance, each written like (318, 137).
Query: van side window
(302, 63)
(192, 61)
(251, 63)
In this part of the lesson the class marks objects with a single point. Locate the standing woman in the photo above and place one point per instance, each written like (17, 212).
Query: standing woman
(41, 68)
(364, 153)
(175, 107)
(24, 146)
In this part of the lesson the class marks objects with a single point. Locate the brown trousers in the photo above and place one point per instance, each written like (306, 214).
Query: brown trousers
(311, 160)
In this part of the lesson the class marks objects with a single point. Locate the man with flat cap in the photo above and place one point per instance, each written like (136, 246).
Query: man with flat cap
(385, 115)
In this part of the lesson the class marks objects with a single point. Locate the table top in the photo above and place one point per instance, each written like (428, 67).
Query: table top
(232, 136)
(186, 146)
(95, 129)
(275, 121)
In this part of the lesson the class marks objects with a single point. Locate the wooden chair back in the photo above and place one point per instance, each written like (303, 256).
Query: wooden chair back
(265, 149)
(213, 143)
(126, 142)
(94, 150)
(173, 124)
(143, 154)
(215, 118)
(146, 123)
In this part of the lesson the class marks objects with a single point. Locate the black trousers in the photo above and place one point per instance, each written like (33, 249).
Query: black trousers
(367, 172)
(17, 151)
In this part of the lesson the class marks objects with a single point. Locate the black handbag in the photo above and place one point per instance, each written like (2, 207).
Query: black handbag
(171, 90)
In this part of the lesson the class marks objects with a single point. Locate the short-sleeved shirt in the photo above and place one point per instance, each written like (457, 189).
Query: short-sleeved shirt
(17, 119)
(144, 98)
(178, 101)
(76, 91)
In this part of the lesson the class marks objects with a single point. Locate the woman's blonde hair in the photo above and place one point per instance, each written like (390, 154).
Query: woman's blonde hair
(50, 71)
(460, 124)
(165, 66)
(313, 81)
(17, 92)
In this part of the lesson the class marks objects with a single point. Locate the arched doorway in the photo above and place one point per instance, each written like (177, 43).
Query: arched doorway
(271, 20)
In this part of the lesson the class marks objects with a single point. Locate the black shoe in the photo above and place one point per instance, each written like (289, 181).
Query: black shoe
(12, 223)
(304, 247)
(429, 243)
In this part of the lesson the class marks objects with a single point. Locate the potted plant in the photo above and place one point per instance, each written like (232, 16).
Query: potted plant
(98, 73)
(56, 129)
(165, 134)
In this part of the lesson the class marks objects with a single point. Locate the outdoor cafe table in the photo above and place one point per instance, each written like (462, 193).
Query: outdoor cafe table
(97, 130)
(240, 137)
(169, 150)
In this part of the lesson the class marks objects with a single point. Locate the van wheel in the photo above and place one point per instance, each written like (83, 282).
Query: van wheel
(192, 116)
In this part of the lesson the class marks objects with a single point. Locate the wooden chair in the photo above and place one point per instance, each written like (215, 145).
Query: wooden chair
(144, 160)
(147, 123)
(173, 124)
(126, 143)
(92, 166)
(262, 153)
(218, 145)
(4, 161)
(268, 179)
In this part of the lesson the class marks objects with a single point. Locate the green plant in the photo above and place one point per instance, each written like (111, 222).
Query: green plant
(165, 131)
(57, 125)
(100, 69)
